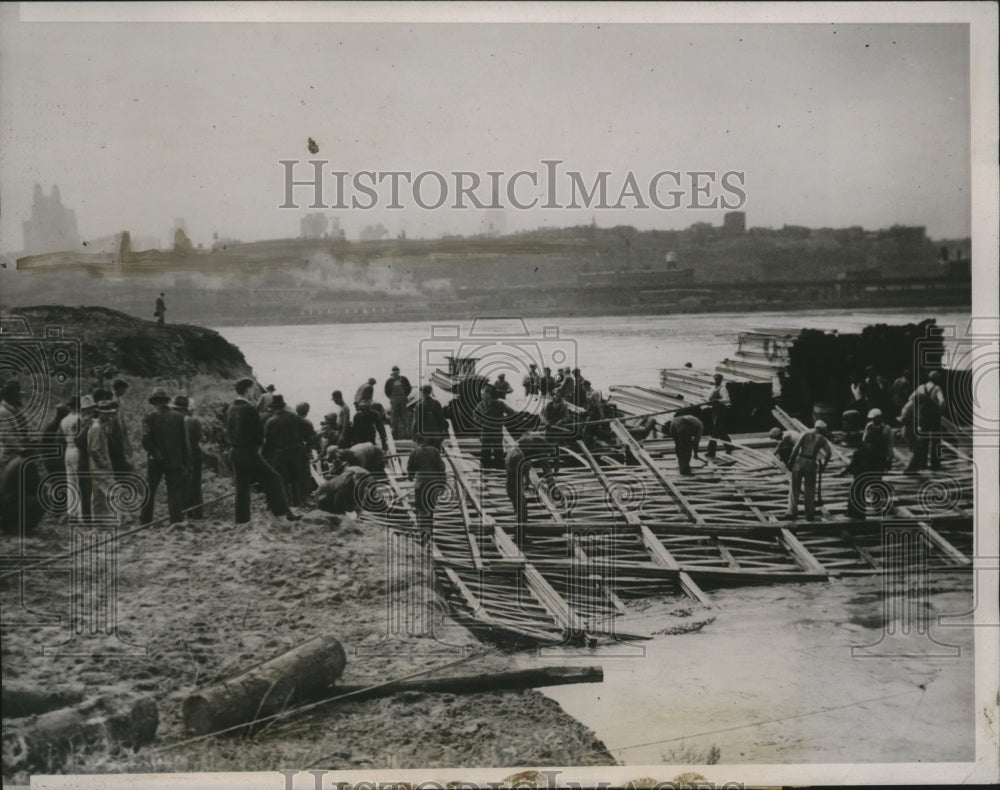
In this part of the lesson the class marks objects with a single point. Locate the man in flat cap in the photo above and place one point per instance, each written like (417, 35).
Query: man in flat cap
(168, 455)
(245, 432)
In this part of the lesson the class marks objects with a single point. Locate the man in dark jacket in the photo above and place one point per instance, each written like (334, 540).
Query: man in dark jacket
(426, 467)
(397, 390)
(488, 417)
(245, 432)
(166, 445)
(428, 417)
(284, 440)
(192, 483)
(368, 425)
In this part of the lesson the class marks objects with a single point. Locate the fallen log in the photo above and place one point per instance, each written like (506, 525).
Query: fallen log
(42, 743)
(17, 700)
(305, 673)
(475, 684)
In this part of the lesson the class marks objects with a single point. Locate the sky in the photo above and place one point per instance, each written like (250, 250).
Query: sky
(830, 125)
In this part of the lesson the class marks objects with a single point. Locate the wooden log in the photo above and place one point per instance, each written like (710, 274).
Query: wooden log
(305, 673)
(17, 700)
(477, 684)
(42, 743)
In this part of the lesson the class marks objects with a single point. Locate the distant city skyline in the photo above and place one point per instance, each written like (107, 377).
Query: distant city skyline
(834, 125)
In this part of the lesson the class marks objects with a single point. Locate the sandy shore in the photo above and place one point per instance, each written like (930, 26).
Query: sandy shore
(203, 600)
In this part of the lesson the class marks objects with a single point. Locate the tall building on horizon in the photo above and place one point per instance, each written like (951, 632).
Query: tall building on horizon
(51, 227)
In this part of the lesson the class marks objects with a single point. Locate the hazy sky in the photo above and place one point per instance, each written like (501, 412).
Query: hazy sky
(833, 125)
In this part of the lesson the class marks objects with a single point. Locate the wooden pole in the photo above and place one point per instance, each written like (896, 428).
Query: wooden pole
(475, 684)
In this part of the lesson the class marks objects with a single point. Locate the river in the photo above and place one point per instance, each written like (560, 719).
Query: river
(307, 362)
(771, 676)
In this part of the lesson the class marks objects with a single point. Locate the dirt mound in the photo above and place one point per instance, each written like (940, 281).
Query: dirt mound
(140, 348)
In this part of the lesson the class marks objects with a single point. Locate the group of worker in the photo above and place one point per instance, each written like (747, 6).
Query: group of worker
(272, 445)
(807, 453)
(87, 445)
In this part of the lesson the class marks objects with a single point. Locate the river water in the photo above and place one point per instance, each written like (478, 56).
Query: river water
(307, 362)
(775, 674)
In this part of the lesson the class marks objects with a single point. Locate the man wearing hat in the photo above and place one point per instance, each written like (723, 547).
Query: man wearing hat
(168, 455)
(192, 499)
(428, 417)
(810, 455)
(245, 432)
(397, 390)
(99, 458)
(285, 438)
(925, 414)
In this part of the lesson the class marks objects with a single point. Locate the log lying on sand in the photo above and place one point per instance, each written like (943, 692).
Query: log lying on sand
(474, 684)
(42, 743)
(305, 673)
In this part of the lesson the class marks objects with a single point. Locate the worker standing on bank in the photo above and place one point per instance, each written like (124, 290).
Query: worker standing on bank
(169, 456)
(810, 455)
(245, 432)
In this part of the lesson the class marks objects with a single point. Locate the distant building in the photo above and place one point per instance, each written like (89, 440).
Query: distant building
(734, 222)
(314, 225)
(52, 227)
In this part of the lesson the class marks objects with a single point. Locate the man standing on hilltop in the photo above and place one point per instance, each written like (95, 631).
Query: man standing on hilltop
(169, 456)
(245, 431)
(161, 310)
